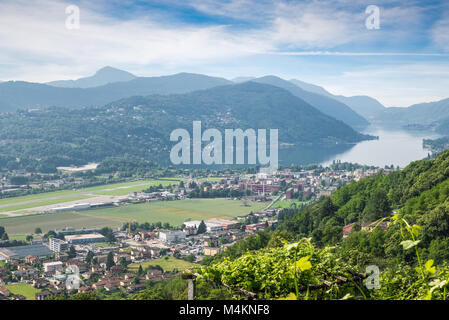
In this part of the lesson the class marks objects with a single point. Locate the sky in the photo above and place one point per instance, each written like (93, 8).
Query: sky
(402, 62)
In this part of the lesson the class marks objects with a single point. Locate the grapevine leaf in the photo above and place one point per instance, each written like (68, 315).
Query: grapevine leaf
(304, 264)
(429, 266)
(407, 244)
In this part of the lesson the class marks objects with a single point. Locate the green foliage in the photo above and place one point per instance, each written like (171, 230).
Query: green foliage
(277, 272)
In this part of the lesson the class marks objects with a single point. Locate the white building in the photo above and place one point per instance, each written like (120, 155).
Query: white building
(172, 236)
(53, 266)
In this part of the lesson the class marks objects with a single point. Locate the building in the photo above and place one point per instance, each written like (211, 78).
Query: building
(84, 238)
(347, 229)
(58, 245)
(211, 251)
(42, 295)
(221, 224)
(32, 260)
(172, 236)
(255, 226)
(53, 266)
(368, 226)
(20, 252)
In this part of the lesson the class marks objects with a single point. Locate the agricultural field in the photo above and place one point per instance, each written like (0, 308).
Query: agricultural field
(27, 224)
(167, 263)
(173, 212)
(26, 290)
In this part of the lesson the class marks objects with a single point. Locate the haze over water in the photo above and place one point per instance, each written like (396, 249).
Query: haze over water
(394, 147)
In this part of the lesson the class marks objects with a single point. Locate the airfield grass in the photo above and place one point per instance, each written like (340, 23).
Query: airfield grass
(74, 192)
(41, 203)
(176, 212)
(173, 212)
(26, 290)
(167, 263)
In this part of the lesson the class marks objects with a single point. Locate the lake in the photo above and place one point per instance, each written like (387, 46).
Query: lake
(394, 147)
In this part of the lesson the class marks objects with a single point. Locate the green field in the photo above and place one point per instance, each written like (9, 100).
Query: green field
(24, 289)
(167, 264)
(173, 212)
(50, 221)
(176, 212)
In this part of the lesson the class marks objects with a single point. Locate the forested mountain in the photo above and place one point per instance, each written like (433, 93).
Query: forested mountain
(365, 106)
(325, 104)
(16, 95)
(141, 126)
(101, 77)
(419, 193)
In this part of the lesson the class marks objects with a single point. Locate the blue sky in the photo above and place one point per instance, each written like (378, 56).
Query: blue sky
(323, 42)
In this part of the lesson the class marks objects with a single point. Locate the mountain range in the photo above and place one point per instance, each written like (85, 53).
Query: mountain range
(141, 126)
(101, 77)
(110, 84)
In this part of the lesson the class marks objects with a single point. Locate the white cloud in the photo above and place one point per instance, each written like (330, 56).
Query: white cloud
(440, 33)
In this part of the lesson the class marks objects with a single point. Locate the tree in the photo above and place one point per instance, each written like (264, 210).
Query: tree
(72, 252)
(378, 206)
(202, 227)
(29, 238)
(89, 257)
(110, 261)
(123, 263)
(140, 271)
(190, 258)
(38, 230)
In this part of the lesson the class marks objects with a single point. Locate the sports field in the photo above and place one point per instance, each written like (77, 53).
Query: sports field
(173, 212)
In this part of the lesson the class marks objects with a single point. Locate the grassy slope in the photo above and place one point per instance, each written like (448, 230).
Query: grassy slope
(24, 289)
(166, 264)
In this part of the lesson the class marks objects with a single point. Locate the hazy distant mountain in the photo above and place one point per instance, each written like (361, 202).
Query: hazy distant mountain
(24, 95)
(101, 77)
(325, 104)
(422, 114)
(242, 79)
(365, 106)
(141, 126)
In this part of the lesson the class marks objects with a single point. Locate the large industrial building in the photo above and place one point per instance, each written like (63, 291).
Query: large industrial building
(20, 252)
(84, 238)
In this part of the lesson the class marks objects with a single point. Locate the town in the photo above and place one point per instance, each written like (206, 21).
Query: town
(129, 258)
